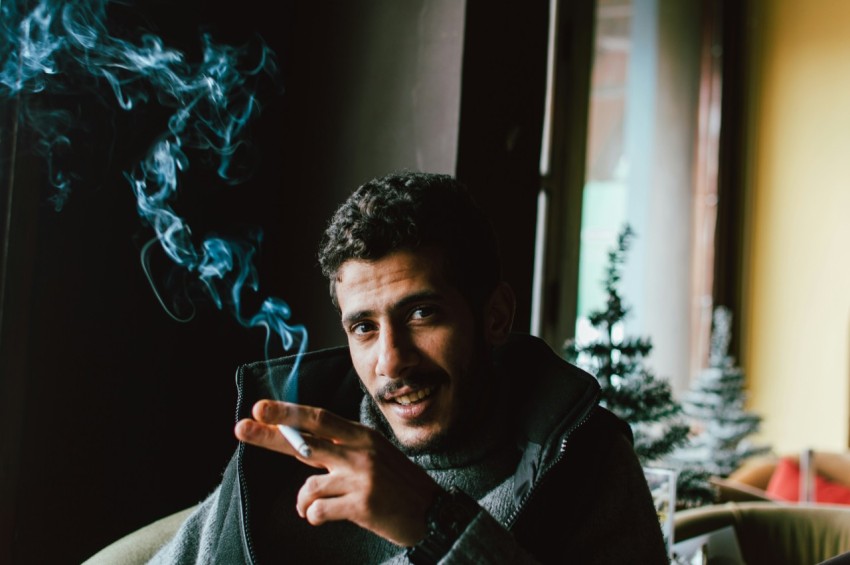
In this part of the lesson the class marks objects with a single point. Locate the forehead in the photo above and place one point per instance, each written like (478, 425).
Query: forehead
(392, 276)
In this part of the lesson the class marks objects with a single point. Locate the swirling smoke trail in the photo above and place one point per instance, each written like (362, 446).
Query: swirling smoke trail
(46, 49)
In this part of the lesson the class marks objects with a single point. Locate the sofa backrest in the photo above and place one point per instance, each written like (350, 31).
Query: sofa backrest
(773, 533)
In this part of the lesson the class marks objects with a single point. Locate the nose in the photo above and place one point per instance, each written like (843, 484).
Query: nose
(396, 353)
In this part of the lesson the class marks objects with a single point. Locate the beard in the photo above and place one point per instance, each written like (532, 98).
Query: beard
(474, 393)
(375, 418)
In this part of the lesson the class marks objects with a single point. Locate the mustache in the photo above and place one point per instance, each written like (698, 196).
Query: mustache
(415, 381)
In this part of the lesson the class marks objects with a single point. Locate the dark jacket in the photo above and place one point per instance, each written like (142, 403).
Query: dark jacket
(580, 493)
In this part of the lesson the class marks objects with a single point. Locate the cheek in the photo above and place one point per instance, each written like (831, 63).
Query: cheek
(364, 366)
(457, 354)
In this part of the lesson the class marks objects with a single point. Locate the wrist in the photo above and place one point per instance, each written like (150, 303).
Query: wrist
(446, 519)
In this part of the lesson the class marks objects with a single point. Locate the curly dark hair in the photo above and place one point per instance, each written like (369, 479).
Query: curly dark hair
(410, 210)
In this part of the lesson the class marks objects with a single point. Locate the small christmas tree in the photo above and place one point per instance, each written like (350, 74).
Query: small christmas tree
(715, 404)
(630, 390)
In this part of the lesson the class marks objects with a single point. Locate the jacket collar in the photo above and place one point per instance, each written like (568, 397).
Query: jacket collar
(558, 398)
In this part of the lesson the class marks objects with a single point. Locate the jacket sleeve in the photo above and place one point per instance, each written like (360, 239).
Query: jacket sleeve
(486, 542)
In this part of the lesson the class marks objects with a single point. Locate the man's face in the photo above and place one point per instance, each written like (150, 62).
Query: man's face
(412, 342)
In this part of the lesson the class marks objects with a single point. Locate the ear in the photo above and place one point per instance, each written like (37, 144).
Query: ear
(499, 314)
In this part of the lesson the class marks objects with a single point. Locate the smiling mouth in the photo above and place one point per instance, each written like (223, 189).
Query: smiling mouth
(413, 397)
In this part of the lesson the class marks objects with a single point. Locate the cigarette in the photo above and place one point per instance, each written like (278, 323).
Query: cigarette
(295, 440)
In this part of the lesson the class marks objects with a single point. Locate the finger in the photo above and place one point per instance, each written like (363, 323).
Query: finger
(317, 421)
(318, 487)
(270, 437)
(327, 510)
(323, 499)
(400, 527)
(262, 435)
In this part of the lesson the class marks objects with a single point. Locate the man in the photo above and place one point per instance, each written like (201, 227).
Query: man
(437, 435)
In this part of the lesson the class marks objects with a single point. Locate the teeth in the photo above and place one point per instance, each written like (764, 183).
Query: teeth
(407, 399)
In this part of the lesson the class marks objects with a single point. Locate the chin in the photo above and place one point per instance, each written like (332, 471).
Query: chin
(416, 442)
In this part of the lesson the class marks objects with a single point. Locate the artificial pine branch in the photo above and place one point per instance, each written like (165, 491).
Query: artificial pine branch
(715, 404)
(629, 389)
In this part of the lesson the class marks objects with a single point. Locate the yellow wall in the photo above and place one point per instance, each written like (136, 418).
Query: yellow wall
(797, 320)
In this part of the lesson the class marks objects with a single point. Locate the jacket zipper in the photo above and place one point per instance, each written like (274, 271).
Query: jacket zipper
(525, 499)
(247, 543)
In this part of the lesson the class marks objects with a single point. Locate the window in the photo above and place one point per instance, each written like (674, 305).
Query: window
(647, 158)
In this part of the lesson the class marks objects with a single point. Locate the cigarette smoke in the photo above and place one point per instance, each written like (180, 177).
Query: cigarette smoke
(62, 46)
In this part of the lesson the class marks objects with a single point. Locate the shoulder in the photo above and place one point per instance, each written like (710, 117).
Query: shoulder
(550, 397)
(604, 423)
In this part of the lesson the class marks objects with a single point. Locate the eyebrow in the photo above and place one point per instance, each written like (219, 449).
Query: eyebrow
(425, 295)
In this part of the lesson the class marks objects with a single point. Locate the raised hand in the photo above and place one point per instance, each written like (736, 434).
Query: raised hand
(368, 480)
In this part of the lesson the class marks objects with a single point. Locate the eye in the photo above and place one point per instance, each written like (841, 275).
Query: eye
(361, 328)
(422, 312)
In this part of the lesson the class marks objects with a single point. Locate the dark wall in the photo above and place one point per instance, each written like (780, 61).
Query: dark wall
(125, 415)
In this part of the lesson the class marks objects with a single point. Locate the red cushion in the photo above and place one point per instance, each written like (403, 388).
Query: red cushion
(785, 484)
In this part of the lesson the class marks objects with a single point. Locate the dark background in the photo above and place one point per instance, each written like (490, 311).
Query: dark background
(114, 414)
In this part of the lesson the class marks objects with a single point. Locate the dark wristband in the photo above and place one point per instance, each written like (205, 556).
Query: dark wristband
(447, 518)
